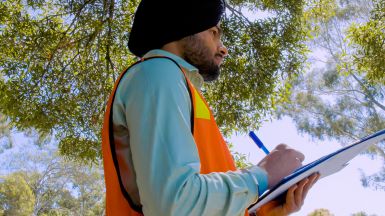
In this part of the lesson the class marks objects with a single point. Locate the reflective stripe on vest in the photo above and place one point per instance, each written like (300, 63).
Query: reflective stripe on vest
(213, 152)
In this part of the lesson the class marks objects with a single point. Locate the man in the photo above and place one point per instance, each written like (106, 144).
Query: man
(163, 152)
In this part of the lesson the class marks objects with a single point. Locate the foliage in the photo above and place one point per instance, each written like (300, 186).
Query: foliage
(376, 181)
(57, 66)
(328, 105)
(362, 214)
(241, 160)
(59, 59)
(340, 99)
(369, 41)
(320, 212)
(263, 53)
(16, 197)
(5, 134)
(56, 186)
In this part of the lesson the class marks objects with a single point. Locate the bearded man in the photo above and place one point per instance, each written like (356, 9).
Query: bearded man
(163, 152)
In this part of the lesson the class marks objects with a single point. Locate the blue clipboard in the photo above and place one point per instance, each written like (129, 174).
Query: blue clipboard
(325, 166)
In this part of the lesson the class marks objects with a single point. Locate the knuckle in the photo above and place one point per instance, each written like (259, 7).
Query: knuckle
(282, 146)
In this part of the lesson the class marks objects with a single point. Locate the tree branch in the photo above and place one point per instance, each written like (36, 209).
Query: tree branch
(239, 14)
(367, 93)
(109, 37)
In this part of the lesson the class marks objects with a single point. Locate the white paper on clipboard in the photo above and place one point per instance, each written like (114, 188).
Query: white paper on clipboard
(325, 166)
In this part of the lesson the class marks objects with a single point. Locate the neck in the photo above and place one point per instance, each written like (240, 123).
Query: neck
(174, 48)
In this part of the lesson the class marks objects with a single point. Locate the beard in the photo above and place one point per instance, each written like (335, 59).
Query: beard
(199, 55)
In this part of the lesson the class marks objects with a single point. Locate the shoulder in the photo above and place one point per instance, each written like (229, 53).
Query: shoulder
(154, 84)
(152, 75)
(157, 70)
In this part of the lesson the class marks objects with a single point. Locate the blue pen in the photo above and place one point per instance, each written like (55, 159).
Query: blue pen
(258, 142)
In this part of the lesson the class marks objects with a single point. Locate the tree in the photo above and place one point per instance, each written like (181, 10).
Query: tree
(376, 181)
(328, 105)
(369, 42)
(55, 186)
(31, 193)
(5, 134)
(362, 214)
(16, 197)
(241, 160)
(320, 212)
(344, 98)
(59, 59)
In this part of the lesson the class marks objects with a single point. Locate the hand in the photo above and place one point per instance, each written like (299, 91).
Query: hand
(295, 197)
(282, 161)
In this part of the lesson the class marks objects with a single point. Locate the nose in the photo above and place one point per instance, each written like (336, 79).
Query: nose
(223, 50)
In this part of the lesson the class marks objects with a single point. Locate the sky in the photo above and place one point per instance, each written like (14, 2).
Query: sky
(341, 193)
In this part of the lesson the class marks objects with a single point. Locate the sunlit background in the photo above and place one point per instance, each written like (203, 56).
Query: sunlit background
(341, 193)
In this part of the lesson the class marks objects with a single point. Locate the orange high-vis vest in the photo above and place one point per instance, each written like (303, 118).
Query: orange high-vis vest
(213, 152)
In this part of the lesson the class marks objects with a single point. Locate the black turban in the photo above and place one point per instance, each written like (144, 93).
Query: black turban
(158, 22)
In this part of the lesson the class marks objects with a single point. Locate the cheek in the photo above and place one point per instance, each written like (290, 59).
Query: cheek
(210, 43)
(211, 48)
(214, 44)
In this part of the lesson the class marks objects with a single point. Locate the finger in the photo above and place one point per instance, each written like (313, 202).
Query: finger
(300, 156)
(295, 195)
(290, 205)
(299, 161)
(318, 177)
(296, 154)
(281, 146)
(299, 192)
(312, 179)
